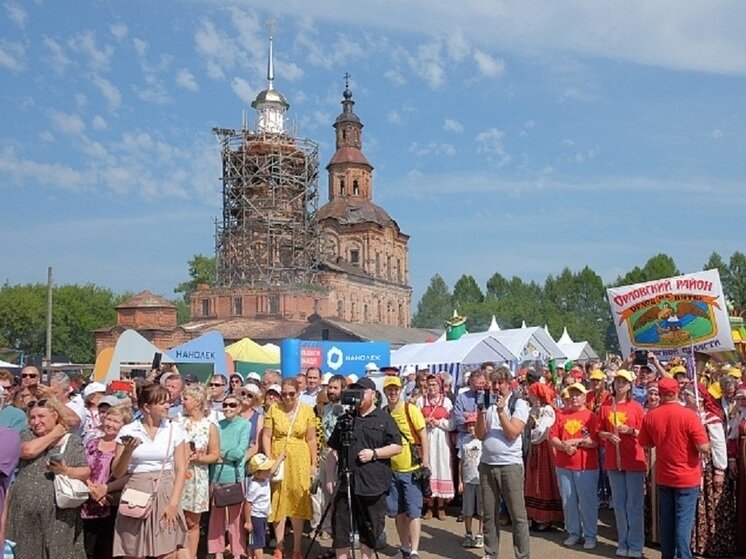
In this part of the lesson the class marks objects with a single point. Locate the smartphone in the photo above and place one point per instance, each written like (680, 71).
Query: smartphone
(55, 457)
(126, 438)
(192, 446)
(641, 357)
(156, 361)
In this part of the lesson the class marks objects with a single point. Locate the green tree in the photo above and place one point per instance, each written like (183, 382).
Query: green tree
(467, 292)
(435, 306)
(201, 270)
(737, 280)
(657, 267)
(76, 312)
(497, 286)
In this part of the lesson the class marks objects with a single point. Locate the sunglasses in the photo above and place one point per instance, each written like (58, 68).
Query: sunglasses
(37, 403)
(230, 404)
(247, 396)
(288, 394)
(29, 375)
(216, 384)
(235, 381)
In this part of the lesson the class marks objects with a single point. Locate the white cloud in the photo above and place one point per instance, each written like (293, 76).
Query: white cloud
(526, 126)
(185, 79)
(12, 55)
(428, 63)
(67, 123)
(488, 65)
(141, 46)
(109, 91)
(567, 142)
(451, 125)
(16, 14)
(155, 93)
(99, 123)
(99, 58)
(81, 100)
(458, 48)
(57, 57)
(394, 117)
(490, 143)
(119, 30)
(46, 136)
(716, 134)
(395, 77)
(432, 148)
(20, 171)
(218, 50)
(243, 90)
(324, 53)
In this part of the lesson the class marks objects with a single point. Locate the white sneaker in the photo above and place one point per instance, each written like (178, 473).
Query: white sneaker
(590, 544)
(479, 540)
(571, 540)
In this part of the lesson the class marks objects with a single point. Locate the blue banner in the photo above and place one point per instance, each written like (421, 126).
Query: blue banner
(343, 358)
(208, 348)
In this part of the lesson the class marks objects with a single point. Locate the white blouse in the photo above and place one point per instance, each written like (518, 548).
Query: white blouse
(149, 454)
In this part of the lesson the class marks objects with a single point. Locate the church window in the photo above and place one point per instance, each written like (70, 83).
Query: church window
(378, 263)
(398, 270)
(354, 256)
(344, 133)
(342, 187)
(237, 306)
(274, 304)
(205, 307)
(365, 312)
(389, 271)
(355, 188)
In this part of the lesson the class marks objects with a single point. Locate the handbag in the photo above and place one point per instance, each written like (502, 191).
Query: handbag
(69, 493)
(227, 494)
(279, 474)
(138, 504)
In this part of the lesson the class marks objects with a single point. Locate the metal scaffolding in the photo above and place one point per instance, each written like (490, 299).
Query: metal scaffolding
(268, 233)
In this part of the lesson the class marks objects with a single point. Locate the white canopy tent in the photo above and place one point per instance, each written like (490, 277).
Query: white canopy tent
(453, 356)
(6, 365)
(526, 344)
(132, 348)
(576, 351)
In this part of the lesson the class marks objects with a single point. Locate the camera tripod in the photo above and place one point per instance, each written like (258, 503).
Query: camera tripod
(356, 514)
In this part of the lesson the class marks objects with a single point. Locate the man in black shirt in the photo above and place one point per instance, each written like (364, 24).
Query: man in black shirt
(375, 439)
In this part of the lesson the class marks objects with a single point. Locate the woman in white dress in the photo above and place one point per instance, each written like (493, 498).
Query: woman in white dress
(203, 443)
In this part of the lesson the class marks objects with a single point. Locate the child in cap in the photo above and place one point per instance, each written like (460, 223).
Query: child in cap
(468, 484)
(258, 501)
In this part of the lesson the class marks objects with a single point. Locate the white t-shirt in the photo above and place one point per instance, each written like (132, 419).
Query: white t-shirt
(497, 449)
(258, 494)
(149, 454)
(470, 454)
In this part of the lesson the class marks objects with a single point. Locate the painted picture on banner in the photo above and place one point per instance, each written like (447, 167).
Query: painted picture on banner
(672, 315)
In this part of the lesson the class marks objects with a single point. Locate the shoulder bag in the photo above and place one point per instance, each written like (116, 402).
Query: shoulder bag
(69, 493)
(279, 474)
(138, 504)
(227, 494)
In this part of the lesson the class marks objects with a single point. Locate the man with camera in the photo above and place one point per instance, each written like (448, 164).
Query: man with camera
(411, 469)
(500, 424)
(365, 439)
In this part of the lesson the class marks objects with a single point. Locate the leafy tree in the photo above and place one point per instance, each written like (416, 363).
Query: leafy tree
(658, 267)
(76, 312)
(467, 292)
(737, 280)
(201, 270)
(497, 286)
(435, 306)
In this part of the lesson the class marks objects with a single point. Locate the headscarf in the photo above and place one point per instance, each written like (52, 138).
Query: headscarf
(542, 391)
(709, 405)
(435, 410)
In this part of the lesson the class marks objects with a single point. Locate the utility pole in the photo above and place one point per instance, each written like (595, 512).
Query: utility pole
(48, 354)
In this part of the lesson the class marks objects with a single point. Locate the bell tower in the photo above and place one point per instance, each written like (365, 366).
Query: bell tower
(350, 173)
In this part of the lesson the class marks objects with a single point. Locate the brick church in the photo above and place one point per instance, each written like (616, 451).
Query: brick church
(285, 267)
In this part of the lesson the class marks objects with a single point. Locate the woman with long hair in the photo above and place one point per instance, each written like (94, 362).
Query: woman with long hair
(625, 464)
(290, 427)
(229, 469)
(35, 523)
(543, 499)
(152, 451)
(252, 411)
(98, 516)
(203, 443)
(436, 408)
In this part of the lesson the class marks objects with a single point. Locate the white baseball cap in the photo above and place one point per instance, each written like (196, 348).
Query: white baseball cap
(93, 388)
(371, 367)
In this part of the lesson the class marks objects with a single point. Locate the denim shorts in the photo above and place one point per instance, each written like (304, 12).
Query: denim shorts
(257, 538)
(405, 496)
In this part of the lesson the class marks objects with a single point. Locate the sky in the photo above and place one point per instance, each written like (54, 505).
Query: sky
(507, 136)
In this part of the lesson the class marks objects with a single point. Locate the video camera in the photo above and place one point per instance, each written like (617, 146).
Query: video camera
(352, 397)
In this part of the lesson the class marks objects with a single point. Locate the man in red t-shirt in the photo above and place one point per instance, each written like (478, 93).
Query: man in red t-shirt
(679, 438)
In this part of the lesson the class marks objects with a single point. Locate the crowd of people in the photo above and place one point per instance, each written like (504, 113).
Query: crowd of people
(173, 465)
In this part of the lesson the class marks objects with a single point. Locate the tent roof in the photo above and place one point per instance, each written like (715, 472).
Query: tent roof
(463, 350)
(6, 365)
(248, 350)
(207, 348)
(578, 351)
(133, 348)
(518, 340)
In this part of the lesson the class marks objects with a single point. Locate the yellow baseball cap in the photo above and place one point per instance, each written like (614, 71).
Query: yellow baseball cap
(391, 381)
(625, 374)
(597, 374)
(577, 386)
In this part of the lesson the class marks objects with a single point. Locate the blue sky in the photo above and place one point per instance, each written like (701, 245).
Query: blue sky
(507, 136)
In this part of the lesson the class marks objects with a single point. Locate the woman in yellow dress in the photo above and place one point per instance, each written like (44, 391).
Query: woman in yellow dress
(290, 426)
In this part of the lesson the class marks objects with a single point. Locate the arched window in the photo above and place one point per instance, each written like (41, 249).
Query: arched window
(355, 188)
(342, 187)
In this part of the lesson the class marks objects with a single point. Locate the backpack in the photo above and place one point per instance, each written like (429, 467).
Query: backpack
(525, 434)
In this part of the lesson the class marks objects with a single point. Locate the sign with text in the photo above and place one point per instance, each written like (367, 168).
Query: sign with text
(673, 315)
(341, 358)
